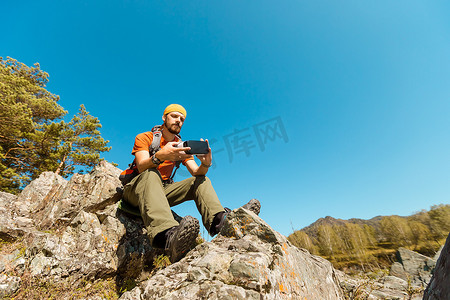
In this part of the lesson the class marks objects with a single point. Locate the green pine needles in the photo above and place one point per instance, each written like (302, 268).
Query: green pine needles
(33, 136)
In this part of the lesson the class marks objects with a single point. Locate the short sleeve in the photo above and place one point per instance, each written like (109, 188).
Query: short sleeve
(187, 159)
(142, 142)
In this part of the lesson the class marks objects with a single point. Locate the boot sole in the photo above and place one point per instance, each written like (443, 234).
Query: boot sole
(185, 240)
(253, 205)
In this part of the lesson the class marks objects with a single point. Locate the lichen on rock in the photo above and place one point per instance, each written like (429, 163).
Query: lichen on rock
(247, 260)
(71, 234)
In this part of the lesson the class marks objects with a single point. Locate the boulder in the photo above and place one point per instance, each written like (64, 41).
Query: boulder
(71, 233)
(13, 262)
(107, 244)
(8, 285)
(88, 192)
(376, 286)
(248, 260)
(436, 256)
(12, 222)
(413, 266)
(79, 232)
(34, 195)
(439, 286)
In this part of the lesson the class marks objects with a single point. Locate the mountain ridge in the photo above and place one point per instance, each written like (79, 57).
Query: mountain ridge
(373, 242)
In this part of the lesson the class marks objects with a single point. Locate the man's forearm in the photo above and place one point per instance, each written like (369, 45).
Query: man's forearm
(202, 170)
(145, 164)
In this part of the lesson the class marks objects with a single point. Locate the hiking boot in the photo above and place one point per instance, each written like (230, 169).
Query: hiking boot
(182, 238)
(253, 205)
(219, 221)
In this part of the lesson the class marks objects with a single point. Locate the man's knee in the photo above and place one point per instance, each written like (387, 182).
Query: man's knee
(150, 174)
(201, 179)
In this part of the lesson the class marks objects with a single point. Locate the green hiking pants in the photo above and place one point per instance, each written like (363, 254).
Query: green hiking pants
(154, 199)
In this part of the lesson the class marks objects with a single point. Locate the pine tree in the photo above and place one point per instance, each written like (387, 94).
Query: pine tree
(33, 138)
(81, 143)
(25, 104)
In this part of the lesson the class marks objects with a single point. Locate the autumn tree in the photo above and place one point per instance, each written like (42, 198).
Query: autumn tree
(439, 221)
(301, 239)
(396, 230)
(33, 136)
(370, 244)
(329, 242)
(419, 233)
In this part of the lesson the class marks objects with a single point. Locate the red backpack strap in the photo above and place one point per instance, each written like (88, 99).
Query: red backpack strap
(128, 174)
(156, 142)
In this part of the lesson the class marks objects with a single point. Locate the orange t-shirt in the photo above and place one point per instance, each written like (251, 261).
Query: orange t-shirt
(144, 140)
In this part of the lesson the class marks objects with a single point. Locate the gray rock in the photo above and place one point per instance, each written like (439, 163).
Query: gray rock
(20, 265)
(8, 284)
(253, 205)
(12, 225)
(436, 256)
(387, 294)
(21, 210)
(89, 192)
(413, 266)
(12, 263)
(73, 231)
(88, 248)
(83, 247)
(375, 286)
(394, 283)
(34, 195)
(439, 286)
(131, 295)
(7, 197)
(6, 200)
(248, 260)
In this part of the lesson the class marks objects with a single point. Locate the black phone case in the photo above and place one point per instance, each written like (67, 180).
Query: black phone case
(197, 147)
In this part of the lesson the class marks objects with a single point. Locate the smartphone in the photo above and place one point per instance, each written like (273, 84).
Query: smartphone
(197, 147)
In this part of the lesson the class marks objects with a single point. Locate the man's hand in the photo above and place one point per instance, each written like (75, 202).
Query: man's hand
(173, 153)
(206, 159)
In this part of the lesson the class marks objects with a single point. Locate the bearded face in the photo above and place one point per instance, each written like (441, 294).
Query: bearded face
(173, 122)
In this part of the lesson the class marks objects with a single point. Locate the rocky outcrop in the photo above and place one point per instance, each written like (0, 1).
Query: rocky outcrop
(249, 260)
(439, 286)
(377, 286)
(89, 192)
(413, 266)
(71, 233)
(407, 280)
(15, 217)
(71, 230)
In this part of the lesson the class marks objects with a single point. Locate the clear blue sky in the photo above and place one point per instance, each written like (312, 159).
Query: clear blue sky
(361, 88)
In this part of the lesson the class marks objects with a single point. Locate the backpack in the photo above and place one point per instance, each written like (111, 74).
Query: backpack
(132, 171)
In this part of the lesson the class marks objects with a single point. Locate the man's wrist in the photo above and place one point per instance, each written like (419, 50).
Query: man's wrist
(158, 156)
(155, 160)
(205, 165)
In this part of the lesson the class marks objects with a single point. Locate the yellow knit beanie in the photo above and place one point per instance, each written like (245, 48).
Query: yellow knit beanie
(175, 107)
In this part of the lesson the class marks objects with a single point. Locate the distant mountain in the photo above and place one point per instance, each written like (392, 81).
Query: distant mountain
(372, 243)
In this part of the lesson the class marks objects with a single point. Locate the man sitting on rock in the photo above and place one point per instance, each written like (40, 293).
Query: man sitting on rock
(154, 192)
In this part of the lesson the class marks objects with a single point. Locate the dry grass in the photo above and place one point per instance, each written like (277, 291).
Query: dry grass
(35, 288)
